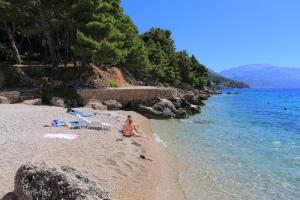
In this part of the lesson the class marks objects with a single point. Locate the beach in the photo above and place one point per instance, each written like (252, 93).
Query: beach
(104, 156)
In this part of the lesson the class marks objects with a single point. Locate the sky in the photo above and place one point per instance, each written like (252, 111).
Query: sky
(226, 33)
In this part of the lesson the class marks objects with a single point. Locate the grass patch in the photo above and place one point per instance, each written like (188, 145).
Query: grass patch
(112, 83)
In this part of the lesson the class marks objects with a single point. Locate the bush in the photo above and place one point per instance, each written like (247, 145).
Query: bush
(112, 83)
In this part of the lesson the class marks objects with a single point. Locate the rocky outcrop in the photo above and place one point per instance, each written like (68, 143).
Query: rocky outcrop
(57, 101)
(12, 96)
(36, 102)
(4, 100)
(112, 104)
(43, 182)
(183, 104)
(174, 107)
(96, 105)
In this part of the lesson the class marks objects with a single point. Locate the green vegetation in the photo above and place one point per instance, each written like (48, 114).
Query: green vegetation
(112, 83)
(92, 32)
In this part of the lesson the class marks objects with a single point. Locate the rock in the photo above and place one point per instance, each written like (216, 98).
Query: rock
(12, 96)
(113, 105)
(57, 101)
(4, 100)
(164, 105)
(96, 105)
(176, 101)
(10, 196)
(37, 101)
(43, 182)
(194, 109)
(151, 113)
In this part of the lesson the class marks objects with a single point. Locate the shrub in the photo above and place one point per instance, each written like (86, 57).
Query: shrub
(112, 83)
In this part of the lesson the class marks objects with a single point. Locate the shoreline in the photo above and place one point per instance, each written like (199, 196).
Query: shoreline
(114, 164)
(162, 173)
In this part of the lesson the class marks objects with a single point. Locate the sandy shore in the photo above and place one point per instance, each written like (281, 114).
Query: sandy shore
(113, 163)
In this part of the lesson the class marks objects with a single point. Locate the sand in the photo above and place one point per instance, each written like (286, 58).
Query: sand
(101, 155)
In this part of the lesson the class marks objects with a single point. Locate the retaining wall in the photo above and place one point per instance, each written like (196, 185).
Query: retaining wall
(126, 95)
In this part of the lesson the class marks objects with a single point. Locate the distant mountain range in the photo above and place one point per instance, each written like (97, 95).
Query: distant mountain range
(265, 76)
(216, 81)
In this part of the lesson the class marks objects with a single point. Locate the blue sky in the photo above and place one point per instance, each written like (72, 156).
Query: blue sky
(226, 33)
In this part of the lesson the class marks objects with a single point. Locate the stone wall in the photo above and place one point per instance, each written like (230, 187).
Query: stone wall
(126, 95)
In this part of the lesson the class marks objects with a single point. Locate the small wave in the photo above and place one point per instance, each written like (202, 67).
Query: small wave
(159, 140)
(276, 143)
(196, 121)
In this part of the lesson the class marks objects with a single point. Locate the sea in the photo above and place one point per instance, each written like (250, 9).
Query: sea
(241, 146)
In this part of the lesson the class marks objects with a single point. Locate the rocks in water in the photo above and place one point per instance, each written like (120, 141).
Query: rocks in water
(12, 96)
(57, 101)
(37, 101)
(96, 105)
(174, 107)
(112, 104)
(186, 102)
(164, 105)
(43, 182)
(4, 100)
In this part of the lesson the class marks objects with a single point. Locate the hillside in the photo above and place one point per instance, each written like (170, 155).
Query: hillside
(80, 33)
(265, 76)
(217, 81)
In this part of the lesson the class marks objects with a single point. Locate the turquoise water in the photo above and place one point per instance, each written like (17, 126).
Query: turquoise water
(244, 146)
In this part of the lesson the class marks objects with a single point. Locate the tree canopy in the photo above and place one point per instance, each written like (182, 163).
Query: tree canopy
(91, 32)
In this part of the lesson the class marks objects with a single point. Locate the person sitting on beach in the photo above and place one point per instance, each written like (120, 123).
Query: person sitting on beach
(136, 127)
(129, 130)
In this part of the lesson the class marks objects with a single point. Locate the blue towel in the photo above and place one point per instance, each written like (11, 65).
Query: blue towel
(57, 123)
(81, 114)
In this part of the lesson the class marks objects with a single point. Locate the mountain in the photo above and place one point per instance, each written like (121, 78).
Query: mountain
(265, 76)
(217, 81)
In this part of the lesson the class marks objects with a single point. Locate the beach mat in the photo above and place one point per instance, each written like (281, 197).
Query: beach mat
(62, 136)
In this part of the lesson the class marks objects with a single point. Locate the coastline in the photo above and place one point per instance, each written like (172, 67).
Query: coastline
(160, 182)
(114, 164)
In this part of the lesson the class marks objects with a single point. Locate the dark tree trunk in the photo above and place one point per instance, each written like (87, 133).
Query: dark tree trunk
(13, 43)
(49, 37)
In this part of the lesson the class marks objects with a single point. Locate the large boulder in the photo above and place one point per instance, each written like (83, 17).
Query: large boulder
(96, 105)
(57, 101)
(162, 109)
(151, 113)
(12, 96)
(43, 182)
(37, 101)
(113, 104)
(164, 105)
(4, 100)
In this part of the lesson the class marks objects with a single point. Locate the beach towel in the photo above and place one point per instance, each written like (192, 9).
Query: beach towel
(78, 113)
(57, 123)
(61, 136)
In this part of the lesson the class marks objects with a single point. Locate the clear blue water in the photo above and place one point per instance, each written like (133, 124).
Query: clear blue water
(244, 146)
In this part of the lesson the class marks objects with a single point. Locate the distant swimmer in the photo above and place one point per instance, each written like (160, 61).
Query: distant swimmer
(285, 108)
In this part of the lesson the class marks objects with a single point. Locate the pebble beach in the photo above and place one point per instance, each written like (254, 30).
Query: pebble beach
(105, 156)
